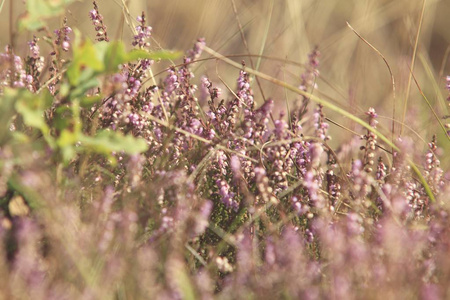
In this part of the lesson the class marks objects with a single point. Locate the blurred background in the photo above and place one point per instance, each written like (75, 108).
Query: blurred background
(352, 74)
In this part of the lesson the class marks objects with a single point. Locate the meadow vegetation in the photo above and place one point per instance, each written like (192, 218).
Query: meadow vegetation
(128, 171)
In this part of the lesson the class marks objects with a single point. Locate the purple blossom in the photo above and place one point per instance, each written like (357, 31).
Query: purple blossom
(143, 33)
(308, 83)
(361, 181)
(171, 82)
(202, 221)
(196, 51)
(34, 48)
(320, 124)
(381, 170)
(227, 196)
(371, 142)
(280, 128)
(62, 36)
(245, 93)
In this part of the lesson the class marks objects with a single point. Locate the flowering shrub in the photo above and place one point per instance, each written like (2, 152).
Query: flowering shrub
(114, 187)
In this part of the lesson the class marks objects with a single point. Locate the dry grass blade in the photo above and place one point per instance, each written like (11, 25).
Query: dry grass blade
(413, 60)
(244, 40)
(430, 106)
(390, 72)
(443, 107)
(266, 33)
(1, 5)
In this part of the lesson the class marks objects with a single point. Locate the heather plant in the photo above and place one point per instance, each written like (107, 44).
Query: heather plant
(119, 183)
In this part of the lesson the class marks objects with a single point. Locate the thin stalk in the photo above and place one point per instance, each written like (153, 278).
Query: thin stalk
(413, 61)
(266, 33)
(1, 6)
(11, 24)
(392, 79)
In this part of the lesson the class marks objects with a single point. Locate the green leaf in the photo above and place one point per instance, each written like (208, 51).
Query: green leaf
(183, 282)
(138, 54)
(115, 55)
(84, 85)
(63, 118)
(64, 89)
(20, 137)
(66, 143)
(91, 60)
(32, 108)
(32, 118)
(110, 141)
(89, 101)
(39, 10)
(158, 55)
(67, 138)
(68, 153)
(85, 57)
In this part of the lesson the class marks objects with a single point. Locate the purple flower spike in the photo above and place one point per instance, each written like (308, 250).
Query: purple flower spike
(62, 36)
(143, 33)
(97, 21)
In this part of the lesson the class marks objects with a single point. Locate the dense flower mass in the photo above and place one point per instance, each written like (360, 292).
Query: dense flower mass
(115, 185)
